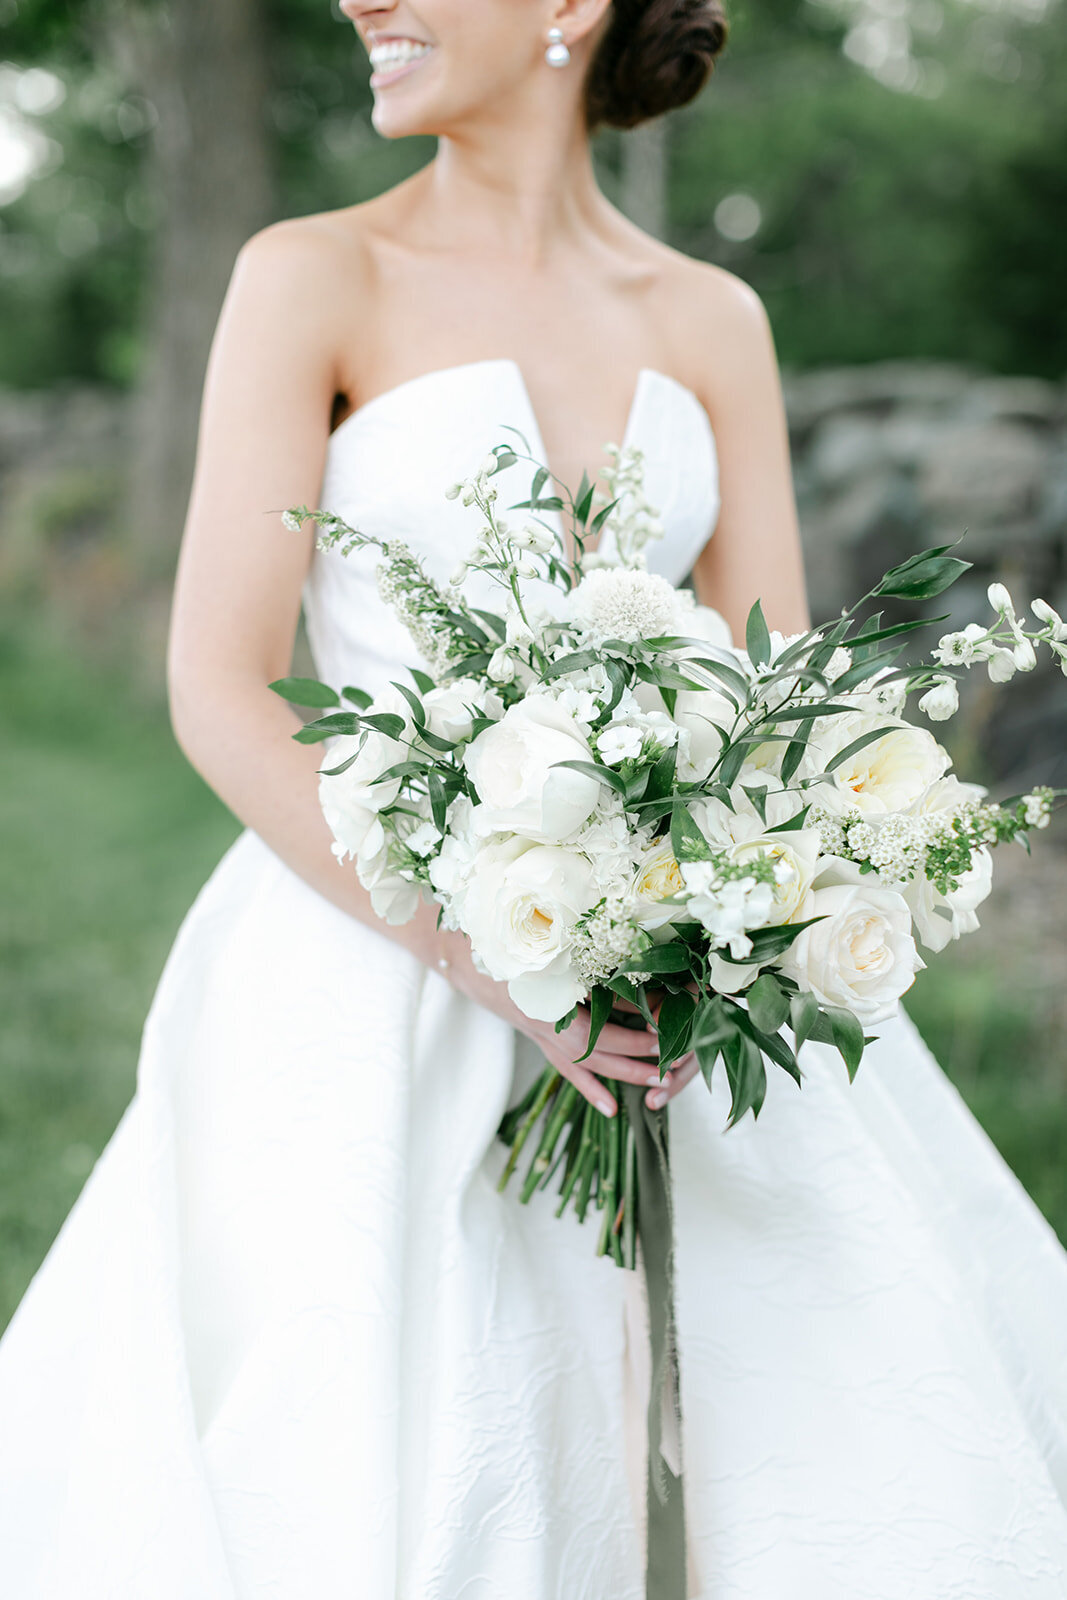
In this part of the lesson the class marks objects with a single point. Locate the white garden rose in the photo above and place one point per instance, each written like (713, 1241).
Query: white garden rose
(658, 876)
(743, 835)
(519, 912)
(395, 898)
(861, 957)
(939, 918)
(515, 769)
(890, 773)
(451, 708)
(351, 800)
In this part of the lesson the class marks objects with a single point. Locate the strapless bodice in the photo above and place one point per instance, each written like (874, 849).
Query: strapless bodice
(388, 466)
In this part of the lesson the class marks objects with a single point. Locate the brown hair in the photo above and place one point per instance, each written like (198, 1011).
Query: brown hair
(655, 55)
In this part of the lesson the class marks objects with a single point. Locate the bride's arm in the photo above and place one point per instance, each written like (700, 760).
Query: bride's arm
(755, 550)
(271, 377)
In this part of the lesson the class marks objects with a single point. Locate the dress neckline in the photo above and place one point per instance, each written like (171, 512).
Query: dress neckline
(535, 437)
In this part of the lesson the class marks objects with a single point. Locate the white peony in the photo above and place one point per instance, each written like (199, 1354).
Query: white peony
(519, 912)
(617, 603)
(940, 918)
(888, 774)
(515, 769)
(861, 957)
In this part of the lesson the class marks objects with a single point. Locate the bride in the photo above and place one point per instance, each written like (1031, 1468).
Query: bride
(291, 1342)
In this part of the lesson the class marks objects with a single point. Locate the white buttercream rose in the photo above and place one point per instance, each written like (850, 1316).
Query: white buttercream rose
(515, 769)
(743, 835)
(657, 878)
(890, 773)
(861, 957)
(519, 912)
(940, 918)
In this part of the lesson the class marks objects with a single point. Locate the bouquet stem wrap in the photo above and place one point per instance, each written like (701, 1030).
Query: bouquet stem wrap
(666, 1561)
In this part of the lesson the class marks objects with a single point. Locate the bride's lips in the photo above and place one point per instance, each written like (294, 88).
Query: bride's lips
(386, 74)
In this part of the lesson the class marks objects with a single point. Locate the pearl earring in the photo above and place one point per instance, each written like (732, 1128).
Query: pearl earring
(557, 54)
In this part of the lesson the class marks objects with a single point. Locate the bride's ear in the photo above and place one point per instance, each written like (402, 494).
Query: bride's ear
(579, 20)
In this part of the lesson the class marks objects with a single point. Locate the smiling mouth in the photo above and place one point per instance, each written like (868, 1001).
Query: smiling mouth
(394, 58)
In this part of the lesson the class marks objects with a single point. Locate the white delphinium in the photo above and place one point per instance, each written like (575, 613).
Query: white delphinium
(633, 523)
(1055, 626)
(964, 648)
(941, 700)
(626, 604)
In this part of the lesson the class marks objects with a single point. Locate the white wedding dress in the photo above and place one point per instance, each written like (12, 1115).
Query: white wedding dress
(291, 1344)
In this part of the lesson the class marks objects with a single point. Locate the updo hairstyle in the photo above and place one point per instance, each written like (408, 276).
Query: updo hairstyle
(656, 55)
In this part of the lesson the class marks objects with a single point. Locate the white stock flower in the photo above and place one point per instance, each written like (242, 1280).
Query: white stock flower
(729, 907)
(619, 603)
(861, 957)
(619, 742)
(941, 701)
(519, 913)
(888, 774)
(514, 766)
(940, 918)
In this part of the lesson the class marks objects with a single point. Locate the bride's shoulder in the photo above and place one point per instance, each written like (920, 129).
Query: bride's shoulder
(322, 249)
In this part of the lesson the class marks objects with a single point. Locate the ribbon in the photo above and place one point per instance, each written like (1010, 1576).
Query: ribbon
(665, 1568)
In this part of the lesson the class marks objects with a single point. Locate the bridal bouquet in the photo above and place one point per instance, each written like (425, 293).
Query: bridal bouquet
(615, 804)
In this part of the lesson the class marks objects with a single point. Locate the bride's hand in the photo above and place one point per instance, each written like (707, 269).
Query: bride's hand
(618, 1049)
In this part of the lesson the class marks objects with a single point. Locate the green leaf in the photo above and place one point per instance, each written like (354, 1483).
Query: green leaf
(794, 755)
(767, 943)
(747, 1075)
(922, 577)
(674, 1024)
(602, 516)
(661, 958)
(600, 1003)
(417, 710)
(576, 662)
(618, 678)
(335, 772)
(345, 722)
(794, 824)
(661, 775)
(540, 478)
(687, 841)
(423, 682)
(584, 502)
(758, 797)
(803, 1015)
(305, 692)
(387, 723)
(728, 677)
(856, 746)
(312, 735)
(848, 1037)
(495, 625)
(438, 800)
(665, 676)
(608, 775)
(773, 1046)
(714, 1025)
(768, 1004)
(757, 636)
(358, 697)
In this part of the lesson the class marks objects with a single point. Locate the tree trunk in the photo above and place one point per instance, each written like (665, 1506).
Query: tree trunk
(202, 63)
(645, 171)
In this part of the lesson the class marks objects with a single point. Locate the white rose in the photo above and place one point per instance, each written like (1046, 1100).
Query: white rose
(395, 899)
(657, 878)
(888, 774)
(352, 799)
(514, 766)
(519, 912)
(450, 709)
(861, 957)
(743, 835)
(938, 917)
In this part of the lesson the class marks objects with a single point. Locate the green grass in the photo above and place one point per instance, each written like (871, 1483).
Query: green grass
(108, 835)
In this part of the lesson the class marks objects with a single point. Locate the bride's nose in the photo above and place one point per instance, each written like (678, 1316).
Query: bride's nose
(364, 12)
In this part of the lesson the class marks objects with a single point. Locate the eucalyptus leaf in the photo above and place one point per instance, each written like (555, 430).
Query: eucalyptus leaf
(358, 697)
(757, 636)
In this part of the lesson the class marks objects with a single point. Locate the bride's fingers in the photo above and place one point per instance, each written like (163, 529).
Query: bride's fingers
(588, 1086)
(618, 1040)
(623, 1068)
(682, 1072)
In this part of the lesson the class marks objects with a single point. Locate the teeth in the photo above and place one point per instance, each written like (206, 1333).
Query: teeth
(397, 52)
